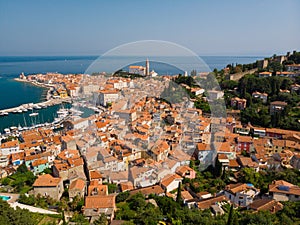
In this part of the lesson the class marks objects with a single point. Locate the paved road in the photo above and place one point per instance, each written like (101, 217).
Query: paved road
(31, 208)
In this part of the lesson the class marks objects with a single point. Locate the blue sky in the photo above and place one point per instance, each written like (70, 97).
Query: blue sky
(208, 27)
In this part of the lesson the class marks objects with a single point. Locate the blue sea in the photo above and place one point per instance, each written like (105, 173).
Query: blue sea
(14, 93)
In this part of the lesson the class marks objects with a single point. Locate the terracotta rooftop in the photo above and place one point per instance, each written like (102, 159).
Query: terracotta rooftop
(99, 202)
(96, 188)
(266, 205)
(126, 186)
(281, 186)
(39, 162)
(205, 204)
(203, 147)
(186, 195)
(181, 170)
(169, 179)
(233, 163)
(10, 144)
(156, 189)
(77, 184)
(67, 138)
(46, 180)
(247, 162)
(95, 175)
(245, 139)
(279, 103)
(234, 188)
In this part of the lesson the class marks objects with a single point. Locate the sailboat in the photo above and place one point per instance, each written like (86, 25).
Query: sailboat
(25, 128)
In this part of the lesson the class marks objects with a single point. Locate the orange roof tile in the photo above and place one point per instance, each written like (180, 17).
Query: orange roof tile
(39, 162)
(99, 202)
(169, 179)
(95, 175)
(10, 144)
(46, 180)
(181, 170)
(78, 184)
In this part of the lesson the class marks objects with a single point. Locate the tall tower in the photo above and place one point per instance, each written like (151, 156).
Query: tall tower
(147, 67)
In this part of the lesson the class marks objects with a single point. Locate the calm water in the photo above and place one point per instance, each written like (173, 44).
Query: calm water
(14, 93)
(12, 66)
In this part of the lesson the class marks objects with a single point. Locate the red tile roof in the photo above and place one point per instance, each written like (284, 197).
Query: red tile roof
(99, 202)
(77, 184)
(46, 180)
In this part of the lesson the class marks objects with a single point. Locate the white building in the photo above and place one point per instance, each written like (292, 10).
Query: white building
(205, 155)
(241, 194)
(9, 147)
(262, 96)
(89, 89)
(3, 160)
(118, 83)
(80, 124)
(259, 131)
(141, 70)
(293, 67)
(107, 96)
(281, 190)
(142, 176)
(153, 74)
(265, 74)
(171, 182)
(214, 95)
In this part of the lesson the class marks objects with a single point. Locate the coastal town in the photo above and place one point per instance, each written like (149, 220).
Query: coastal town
(146, 142)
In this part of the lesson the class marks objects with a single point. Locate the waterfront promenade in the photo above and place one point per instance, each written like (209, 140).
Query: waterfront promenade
(45, 104)
(50, 100)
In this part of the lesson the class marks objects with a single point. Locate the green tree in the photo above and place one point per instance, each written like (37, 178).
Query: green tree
(137, 201)
(102, 220)
(5, 181)
(30, 200)
(122, 196)
(275, 67)
(229, 84)
(261, 218)
(22, 169)
(16, 216)
(178, 197)
(79, 219)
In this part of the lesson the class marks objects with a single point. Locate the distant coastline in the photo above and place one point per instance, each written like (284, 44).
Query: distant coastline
(33, 83)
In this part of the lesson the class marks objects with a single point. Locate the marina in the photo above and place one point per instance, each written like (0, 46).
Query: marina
(30, 106)
(51, 117)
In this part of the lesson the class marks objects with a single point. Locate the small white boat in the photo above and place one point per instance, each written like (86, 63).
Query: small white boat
(13, 128)
(20, 128)
(75, 111)
(34, 114)
(7, 130)
(3, 114)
